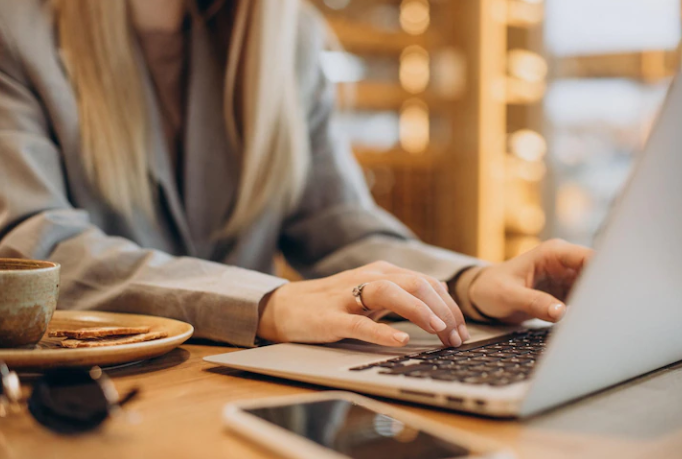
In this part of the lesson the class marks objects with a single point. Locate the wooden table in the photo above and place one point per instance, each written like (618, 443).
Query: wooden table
(178, 415)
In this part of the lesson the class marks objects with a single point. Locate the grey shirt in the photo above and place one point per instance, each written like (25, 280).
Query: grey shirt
(170, 265)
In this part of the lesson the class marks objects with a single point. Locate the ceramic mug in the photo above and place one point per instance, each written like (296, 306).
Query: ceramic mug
(28, 298)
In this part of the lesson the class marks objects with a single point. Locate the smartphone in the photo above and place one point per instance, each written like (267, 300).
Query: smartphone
(334, 425)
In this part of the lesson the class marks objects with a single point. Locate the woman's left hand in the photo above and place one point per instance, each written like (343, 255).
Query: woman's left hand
(532, 285)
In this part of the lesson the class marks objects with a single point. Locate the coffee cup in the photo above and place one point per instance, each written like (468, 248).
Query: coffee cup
(28, 298)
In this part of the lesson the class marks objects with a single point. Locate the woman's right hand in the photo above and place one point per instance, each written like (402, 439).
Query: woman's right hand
(325, 311)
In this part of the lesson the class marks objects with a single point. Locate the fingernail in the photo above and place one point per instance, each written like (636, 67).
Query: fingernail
(401, 337)
(437, 324)
(463, 332)
(455, 340)
(557, 311)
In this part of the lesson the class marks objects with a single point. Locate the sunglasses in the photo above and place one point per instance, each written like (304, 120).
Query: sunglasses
(65, 400)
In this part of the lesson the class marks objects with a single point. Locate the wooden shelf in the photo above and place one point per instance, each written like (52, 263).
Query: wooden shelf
(378, 96)
(523, 14)
(361, 39)
(452, 195)
(644, 66)
(395, 157)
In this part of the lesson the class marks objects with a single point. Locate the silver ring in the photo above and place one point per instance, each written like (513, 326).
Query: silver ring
(357, 294)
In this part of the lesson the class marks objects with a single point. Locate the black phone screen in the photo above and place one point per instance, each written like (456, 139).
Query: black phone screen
(358, 432)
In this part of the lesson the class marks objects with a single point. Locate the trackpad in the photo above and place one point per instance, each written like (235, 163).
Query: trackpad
(421, 340)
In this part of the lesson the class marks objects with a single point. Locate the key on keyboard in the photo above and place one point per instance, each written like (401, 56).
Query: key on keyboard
(499, 362)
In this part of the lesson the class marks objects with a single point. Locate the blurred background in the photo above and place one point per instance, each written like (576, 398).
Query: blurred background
(489, 125)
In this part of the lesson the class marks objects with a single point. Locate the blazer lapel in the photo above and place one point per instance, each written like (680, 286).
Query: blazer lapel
(210, 164)
(158, 161)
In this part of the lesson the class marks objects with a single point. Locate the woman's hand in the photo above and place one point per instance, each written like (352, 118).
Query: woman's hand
(324, 310)
(532, 285)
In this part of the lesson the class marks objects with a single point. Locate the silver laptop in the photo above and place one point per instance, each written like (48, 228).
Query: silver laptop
(624, 318)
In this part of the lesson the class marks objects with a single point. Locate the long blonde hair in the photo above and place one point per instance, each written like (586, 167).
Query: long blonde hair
(266, 124)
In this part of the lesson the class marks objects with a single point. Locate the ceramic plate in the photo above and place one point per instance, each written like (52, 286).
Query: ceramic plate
(48, 353)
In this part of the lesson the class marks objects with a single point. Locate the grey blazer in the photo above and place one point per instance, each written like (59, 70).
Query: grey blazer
(170, 265)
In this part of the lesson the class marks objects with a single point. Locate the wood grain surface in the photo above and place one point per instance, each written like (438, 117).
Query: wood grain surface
(178, 415)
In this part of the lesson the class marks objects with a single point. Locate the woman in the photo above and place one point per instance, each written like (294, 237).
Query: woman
(163, 151)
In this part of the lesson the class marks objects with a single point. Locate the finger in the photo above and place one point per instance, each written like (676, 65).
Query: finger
(421, 288)
(386, 295)
(442, 289)
(569, 256)
(446, 309)
(456, 331)
(535, 303)
(365, 329)
(459, 322)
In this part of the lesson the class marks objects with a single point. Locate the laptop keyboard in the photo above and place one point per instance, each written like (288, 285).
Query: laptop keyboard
(493, 362)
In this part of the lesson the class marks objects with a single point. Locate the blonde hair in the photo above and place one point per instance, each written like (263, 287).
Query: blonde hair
(266, 124)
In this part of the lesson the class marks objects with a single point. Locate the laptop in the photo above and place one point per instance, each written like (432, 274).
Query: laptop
(624, 317)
